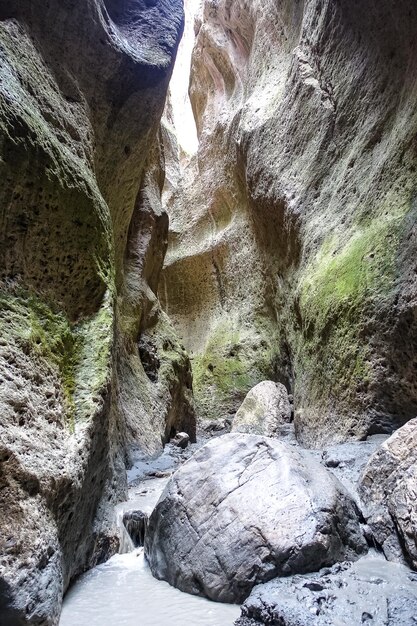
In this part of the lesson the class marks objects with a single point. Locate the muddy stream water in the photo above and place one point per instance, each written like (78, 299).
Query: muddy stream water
(122, 591)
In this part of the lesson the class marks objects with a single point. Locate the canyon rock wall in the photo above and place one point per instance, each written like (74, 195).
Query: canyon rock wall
(292, 237)
(82, 90)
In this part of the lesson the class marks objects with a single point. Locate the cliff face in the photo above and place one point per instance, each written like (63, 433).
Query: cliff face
(82, 89)
(291, 247)
(290, 254)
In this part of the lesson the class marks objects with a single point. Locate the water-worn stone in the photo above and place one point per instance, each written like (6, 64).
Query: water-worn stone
(245, 509)
(181, 440)
(388, 489)
(264, 410)
(348, 460)
(370, 591)
(212, 427)
(136, 523)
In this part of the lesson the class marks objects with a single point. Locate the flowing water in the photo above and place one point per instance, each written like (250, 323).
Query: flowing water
(123, 592)
(141, 498)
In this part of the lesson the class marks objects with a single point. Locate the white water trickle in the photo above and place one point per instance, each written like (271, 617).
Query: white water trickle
(123, 592)
(142, 498)
(126, 544)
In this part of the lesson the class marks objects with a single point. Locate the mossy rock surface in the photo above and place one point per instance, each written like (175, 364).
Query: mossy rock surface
(345, 293)
(235, 359)
(78, 353)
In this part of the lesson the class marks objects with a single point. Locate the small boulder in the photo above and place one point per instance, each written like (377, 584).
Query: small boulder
(245, 509)
(216, 426)
(136, 523)
(264, 411)
(181, 440)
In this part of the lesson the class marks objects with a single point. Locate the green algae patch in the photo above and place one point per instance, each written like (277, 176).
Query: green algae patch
(234, 360)
(221, 365)
(345, 276)
(339, 294)
(95, 338)
(78, 355)
(43, 334)
(225, 372)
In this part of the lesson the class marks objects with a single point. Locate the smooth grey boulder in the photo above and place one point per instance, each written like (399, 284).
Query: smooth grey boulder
(265, 409)
(370, 591)
(388, 489)
(245, 509)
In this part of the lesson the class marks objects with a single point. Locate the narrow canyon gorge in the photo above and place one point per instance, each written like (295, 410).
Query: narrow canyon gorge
(208, 312)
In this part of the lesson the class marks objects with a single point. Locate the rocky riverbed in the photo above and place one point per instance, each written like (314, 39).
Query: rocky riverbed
(123, 588)
(212, 487)
(251, 286)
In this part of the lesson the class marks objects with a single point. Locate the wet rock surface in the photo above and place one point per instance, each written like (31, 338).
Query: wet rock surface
(264, 411)
(181, 440)
(216, 427)
(347, 461)
(147, 479)
(162, 465)
(370, 591)
(245, 509)
(388, 491)
(136, 523)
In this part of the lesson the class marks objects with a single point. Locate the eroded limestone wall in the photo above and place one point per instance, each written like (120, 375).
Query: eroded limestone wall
(291, 251)
(82, 89)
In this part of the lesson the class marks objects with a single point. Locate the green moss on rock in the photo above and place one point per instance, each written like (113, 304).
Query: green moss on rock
(234, 360)
(78, 354)
(41, 333)
(93, 371)
(340, 291)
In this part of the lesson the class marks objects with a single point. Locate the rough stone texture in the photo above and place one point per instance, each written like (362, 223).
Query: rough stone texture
(370, 591)
(293, 233)
(264, 411)
(181, 440)
(82, 89)
(136, 523)
(347, 461)
(388, 489)
(155, 380)
(245, 509)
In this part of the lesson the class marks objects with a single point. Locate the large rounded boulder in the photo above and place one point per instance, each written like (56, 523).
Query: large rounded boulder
(245, 509)
(264, 411)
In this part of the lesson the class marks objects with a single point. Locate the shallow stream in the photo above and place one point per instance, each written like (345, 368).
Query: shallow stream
(123, 592)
